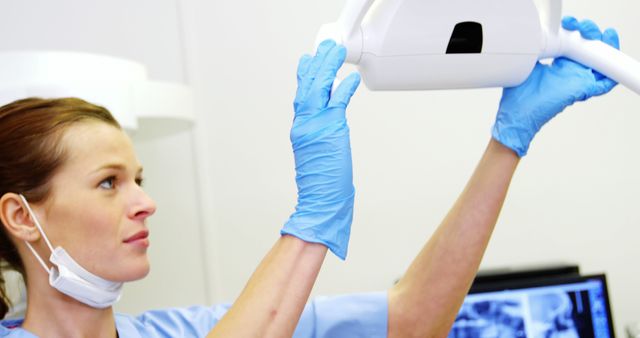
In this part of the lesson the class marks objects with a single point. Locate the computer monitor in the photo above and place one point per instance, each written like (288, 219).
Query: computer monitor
(550, 307)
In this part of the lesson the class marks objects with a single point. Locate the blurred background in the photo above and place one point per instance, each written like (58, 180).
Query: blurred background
(225, 188)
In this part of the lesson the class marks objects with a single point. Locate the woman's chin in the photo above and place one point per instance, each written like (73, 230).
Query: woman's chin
(134, 273)
(141, 273)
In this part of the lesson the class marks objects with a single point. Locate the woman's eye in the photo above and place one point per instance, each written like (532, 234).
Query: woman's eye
(108, 183)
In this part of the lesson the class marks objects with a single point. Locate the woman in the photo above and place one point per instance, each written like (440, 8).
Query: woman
(73, 213)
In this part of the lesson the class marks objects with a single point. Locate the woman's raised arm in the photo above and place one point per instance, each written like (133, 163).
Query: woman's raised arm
(272, 301)
(424, 303)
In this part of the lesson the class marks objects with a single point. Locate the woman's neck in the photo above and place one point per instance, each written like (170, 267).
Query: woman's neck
(51, 313)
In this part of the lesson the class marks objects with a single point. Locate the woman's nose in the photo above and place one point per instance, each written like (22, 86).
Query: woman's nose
(144, 206)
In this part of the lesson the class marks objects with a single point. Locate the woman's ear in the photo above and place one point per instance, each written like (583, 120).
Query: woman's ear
(16, 219)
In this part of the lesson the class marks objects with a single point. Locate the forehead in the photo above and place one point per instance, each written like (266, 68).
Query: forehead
(89, 145)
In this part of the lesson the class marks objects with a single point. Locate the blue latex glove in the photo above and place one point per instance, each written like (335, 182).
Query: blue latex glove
(549, 90)
(322, 151)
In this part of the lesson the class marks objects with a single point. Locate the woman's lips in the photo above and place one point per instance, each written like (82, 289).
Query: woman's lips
(140, 238)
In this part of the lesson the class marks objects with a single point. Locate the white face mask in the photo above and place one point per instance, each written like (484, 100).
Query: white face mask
(68, 277)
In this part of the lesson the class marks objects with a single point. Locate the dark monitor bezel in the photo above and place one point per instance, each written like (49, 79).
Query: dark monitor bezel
(516, 284)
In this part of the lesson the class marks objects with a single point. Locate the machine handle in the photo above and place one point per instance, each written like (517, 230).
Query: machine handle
(347, 30)
(550, 14)
(352, 15)
(601, 57)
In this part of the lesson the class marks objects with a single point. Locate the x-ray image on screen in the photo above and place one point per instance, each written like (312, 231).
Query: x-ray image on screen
(502, 318)
(566, 310)
(552, 316)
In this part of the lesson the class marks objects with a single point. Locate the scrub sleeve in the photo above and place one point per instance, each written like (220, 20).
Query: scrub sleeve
(348, 316)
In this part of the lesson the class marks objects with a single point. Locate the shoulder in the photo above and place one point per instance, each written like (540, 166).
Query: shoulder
(354, 315)
(194, 321)
(11, 328)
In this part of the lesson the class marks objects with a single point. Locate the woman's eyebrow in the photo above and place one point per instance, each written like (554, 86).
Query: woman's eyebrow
(116, 166)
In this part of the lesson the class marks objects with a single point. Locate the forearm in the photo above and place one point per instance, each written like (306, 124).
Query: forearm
(272, 301)
(425, 301)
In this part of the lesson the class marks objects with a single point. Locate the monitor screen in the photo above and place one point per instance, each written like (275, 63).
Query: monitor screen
(564, 307)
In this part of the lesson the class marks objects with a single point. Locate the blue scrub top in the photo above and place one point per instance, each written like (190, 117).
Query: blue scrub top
(349, 316)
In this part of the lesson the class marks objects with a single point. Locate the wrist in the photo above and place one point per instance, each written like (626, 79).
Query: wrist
(327, 223)
(513, 134)
(510, 141)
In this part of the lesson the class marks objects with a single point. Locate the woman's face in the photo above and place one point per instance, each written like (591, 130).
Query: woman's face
(97, 209)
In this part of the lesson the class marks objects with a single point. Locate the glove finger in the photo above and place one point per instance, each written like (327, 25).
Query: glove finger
(563, 62)
(321, 87)
(589, 30)
(323, 50)
(303, 86)
(598, 76)
(570, 23)
(334, 114)
(611, 38)
(604, 86)
(310, 69)
(314, 67)
(341, 97)
(303, 66)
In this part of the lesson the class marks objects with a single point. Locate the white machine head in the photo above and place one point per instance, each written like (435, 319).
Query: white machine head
(450, 44)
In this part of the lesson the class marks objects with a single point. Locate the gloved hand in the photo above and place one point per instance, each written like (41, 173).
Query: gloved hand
(322, 151)
(549, 90)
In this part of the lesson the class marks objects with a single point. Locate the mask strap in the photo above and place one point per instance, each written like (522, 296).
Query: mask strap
(35, 220)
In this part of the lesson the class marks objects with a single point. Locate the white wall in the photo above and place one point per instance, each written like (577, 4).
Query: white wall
(573, 198)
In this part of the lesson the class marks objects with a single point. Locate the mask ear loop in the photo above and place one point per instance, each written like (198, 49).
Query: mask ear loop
(35, 220)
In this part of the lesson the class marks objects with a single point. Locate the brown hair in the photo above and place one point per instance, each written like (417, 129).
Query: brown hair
(30, 153)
